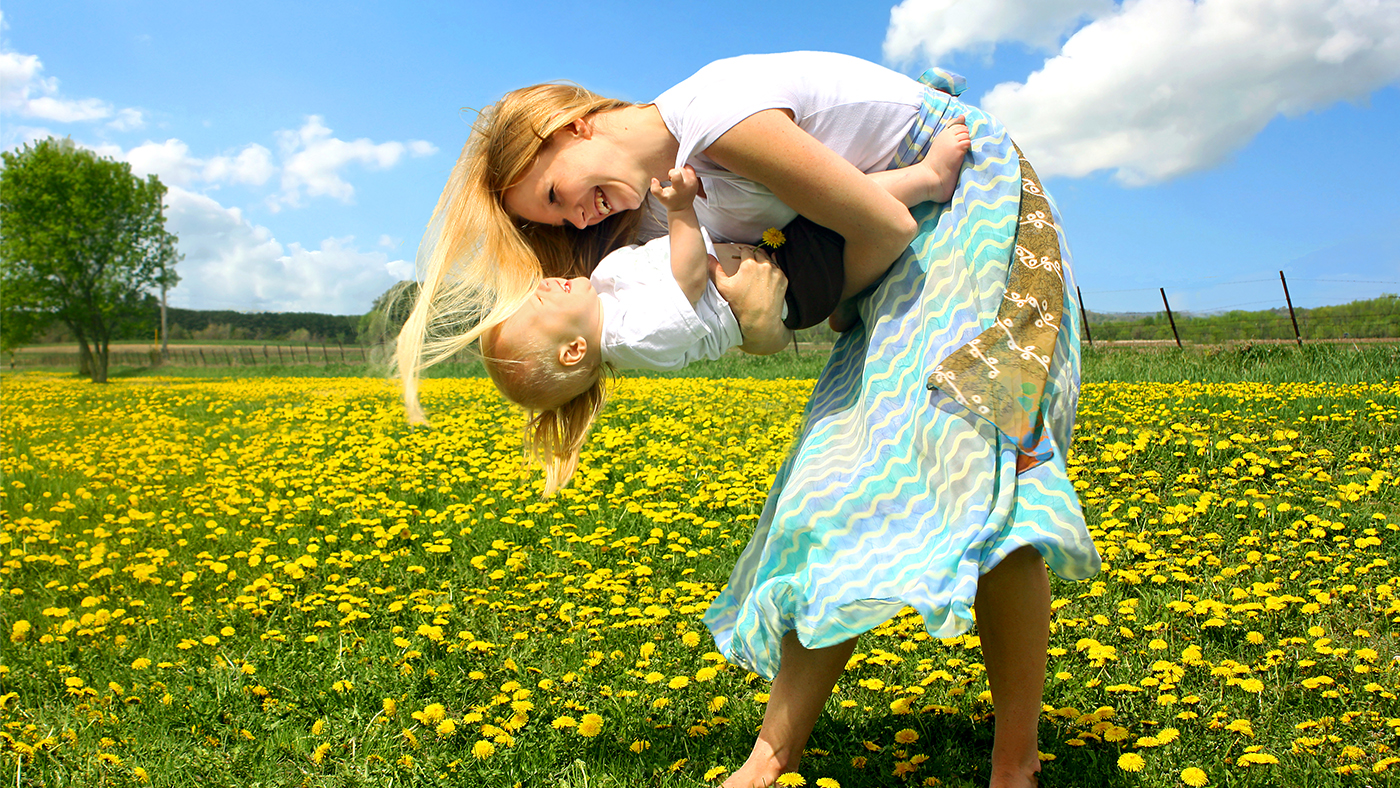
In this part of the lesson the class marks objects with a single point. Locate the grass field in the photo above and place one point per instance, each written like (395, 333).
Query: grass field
(273, 581)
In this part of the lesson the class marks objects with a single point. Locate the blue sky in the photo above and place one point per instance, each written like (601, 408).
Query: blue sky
(1196, 146)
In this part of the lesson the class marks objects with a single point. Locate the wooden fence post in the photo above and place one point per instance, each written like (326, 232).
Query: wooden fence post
(1084, 316)
(1286, 297)
(1170, 319)
(342, 350)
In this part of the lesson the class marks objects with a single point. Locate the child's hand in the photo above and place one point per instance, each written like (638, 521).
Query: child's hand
(680, 194)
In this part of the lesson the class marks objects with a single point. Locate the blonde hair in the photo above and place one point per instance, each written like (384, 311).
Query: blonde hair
(529, 374)
(477, 264)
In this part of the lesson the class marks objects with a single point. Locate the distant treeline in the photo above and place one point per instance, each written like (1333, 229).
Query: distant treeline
(1377, 317)
(266, 326)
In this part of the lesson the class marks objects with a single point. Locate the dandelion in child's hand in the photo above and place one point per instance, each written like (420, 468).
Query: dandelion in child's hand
(773, 238)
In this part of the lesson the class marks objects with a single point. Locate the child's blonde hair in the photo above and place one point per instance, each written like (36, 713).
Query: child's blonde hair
(528, 373)
(477, 264)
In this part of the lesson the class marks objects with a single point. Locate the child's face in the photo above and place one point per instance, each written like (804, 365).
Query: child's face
(560, 312)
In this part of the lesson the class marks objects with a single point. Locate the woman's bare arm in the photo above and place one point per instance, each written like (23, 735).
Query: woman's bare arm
(768, 147)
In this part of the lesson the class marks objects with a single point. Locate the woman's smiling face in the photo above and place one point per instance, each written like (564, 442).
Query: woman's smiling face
(576, 179)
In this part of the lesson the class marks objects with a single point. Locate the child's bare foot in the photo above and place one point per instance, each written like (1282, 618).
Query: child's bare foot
(762, 769)
(945, 158)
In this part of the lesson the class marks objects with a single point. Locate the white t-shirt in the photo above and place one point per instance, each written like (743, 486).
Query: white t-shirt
(648, 323)
(856, 108)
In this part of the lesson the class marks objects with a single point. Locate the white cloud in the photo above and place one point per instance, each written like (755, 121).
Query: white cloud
(172, 163)
(25, 92)
(1160, 88)
(313, 160)
(937, 28)
(231, 263)
(128, 120)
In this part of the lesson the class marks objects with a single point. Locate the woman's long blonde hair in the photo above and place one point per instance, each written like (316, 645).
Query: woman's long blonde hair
(477, 264)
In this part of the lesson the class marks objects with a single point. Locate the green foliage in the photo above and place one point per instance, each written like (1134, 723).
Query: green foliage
(84, 241)
(1373, 318)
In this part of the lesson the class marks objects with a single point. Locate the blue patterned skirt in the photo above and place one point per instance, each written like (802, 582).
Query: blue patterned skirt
(897, 496)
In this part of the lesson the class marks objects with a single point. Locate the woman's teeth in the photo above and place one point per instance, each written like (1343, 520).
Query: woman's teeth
(601, 203)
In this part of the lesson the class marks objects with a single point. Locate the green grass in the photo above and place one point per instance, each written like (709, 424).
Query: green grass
(1271, 363)
(1222, 509)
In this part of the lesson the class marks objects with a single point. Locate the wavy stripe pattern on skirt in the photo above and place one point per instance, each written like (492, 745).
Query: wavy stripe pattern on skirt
(895, 495)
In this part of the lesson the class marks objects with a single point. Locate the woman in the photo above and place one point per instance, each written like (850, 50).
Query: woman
(930, 470)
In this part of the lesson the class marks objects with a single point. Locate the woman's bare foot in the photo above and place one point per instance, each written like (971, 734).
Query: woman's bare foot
(762, 769)
(945, 158)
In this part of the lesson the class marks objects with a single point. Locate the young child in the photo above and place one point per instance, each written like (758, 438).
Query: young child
(654, 306)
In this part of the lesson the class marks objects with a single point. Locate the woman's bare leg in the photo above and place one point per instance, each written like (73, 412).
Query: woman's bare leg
(799, 692)
(1013, 620)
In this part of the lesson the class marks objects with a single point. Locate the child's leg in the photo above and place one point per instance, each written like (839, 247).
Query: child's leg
(799, 692)
(933, 179)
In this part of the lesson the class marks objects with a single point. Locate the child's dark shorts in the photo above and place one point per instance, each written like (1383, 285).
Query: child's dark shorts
(813, 259)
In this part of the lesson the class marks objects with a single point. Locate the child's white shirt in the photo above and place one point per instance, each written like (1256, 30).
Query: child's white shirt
(648, 323)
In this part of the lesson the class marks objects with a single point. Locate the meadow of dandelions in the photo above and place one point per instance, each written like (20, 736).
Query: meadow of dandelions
(277, 581)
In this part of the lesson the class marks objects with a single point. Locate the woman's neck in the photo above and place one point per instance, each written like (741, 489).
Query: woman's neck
(645, 135)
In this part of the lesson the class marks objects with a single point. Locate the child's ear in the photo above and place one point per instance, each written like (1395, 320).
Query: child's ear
(581, 128)
(574, 352)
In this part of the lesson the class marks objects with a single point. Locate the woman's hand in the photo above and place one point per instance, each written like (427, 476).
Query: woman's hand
(755, 291)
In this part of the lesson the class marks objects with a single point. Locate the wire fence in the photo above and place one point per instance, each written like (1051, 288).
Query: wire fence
(207, 356)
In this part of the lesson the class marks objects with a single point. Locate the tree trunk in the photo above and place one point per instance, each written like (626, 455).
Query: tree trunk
(84, 358)
(99, 365)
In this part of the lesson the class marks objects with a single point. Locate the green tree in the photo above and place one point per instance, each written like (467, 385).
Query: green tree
(83, 242)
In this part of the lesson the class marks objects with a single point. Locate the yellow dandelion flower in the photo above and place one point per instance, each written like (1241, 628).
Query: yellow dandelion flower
(1261, 758)
(773, 238)
(714, 773)
(641, 746)
(1131, 762)
(827, 782)
(679, 682)
(140, 663)
(140, 775)
(483, 749)
(1194, 777)
(906, 736)
(317, 727)
(19, 631)
(390, 706)
(560, 723)
(591, 725)
(791, 780)
(319, 754)
(690, 639)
